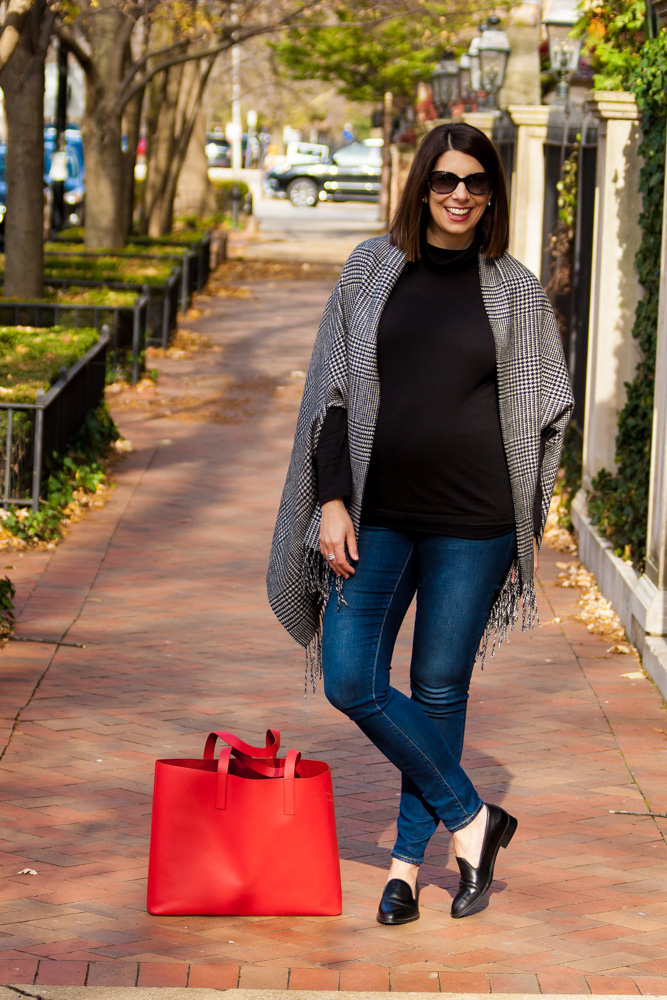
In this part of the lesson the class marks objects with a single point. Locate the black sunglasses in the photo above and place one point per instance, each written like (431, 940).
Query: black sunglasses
(444, 182)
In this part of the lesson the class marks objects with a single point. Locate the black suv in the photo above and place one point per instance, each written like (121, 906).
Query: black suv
(351, 174)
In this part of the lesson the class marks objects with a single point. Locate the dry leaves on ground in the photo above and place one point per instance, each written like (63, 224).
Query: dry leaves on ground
(228, 281)
(185, 344)
(596, 612)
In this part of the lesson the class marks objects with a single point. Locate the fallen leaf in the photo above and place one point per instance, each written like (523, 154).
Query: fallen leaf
(27, 871)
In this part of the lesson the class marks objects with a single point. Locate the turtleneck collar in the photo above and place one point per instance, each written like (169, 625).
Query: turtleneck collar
(444, 261)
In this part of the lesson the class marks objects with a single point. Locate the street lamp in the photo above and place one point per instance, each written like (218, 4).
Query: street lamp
(564, 51)
(475, 72)
(445, 83)
(494, 50)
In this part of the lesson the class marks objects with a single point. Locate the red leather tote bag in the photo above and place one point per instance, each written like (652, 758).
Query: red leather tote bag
(246, 834)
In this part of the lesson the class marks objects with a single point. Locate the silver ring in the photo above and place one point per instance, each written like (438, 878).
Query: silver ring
(331, 555)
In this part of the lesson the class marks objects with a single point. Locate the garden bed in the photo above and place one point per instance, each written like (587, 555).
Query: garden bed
(125, 313)
(32, 359)
(50, 380)
(191, 258)
(162, 306)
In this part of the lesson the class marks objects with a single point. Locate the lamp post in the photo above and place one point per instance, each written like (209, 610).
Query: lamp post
(494, 50)
(445, 83)
(564, 51)
(58, 171)
(475, 72)
(465, 80)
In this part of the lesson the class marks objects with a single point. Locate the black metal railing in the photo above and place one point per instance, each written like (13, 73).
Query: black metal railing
(504, 137)
(571, 298)
(127, 325)
(32, 432)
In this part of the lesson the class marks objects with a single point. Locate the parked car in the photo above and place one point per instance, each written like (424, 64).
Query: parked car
(352, 173)
(75, 189)
(73, 140)
(218, 150)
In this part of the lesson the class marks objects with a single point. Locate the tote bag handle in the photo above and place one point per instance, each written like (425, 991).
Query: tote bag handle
(286, 770)
(270, 750)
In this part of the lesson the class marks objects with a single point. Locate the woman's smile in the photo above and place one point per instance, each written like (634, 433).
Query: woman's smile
(454, 216)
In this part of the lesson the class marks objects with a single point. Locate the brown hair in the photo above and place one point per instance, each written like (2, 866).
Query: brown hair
(493, 227)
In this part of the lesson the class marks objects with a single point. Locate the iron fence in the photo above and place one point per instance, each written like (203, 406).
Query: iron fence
(127, 325)
(504, 137)
(571, 294)
(31, 432)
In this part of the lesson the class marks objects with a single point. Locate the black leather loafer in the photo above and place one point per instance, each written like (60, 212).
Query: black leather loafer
(398, 905)
(476, 882)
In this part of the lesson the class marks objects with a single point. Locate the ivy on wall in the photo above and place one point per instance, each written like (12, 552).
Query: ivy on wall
(618, 501)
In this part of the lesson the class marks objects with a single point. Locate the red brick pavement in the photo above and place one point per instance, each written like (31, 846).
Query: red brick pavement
(164, 587)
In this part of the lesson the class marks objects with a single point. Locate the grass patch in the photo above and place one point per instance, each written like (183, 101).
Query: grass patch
(31, 358)
(73, 296)
(136, 270)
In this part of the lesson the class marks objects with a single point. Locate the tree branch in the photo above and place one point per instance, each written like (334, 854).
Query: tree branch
(17, 12)
(151, 54)
(66, 35)
(240, 35)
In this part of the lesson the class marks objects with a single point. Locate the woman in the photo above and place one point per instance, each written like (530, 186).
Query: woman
(424, 461)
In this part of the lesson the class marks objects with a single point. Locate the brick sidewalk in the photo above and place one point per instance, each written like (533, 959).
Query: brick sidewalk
(164, 587)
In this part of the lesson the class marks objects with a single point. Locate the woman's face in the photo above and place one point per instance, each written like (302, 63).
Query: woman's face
(455, 215)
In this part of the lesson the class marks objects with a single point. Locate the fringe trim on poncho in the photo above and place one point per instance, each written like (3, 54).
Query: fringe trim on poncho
(318, 582)
(505, 612)
(514, 599)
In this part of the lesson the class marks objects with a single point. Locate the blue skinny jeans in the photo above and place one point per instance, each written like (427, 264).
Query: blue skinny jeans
(456, 581)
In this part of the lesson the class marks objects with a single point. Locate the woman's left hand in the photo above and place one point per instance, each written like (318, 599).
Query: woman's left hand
(536, 558)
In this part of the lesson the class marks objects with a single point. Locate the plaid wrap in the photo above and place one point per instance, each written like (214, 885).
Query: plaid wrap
(535, 402)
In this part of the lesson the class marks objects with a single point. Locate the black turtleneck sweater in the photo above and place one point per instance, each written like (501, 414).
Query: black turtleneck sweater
(438, 464)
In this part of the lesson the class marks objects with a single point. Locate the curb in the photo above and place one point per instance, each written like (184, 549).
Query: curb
(176, 993)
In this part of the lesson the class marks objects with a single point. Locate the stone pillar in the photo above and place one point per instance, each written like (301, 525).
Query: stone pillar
(483, 120)
(527, 208)
(615, 290)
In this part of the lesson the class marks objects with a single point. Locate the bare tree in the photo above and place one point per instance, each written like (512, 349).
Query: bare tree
(22, 80)
(100, 39)
(11, 26)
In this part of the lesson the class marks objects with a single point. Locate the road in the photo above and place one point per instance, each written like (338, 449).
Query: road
(325, 233)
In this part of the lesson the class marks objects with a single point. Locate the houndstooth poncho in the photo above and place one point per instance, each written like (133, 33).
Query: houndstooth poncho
(535, 401)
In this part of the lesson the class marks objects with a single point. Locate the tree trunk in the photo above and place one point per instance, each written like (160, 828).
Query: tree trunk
(176, 103)
(193, 191)
(161, 147)
(132, 122)
(22, 80)
(190, 105)
(101, 128)
(105, 178)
